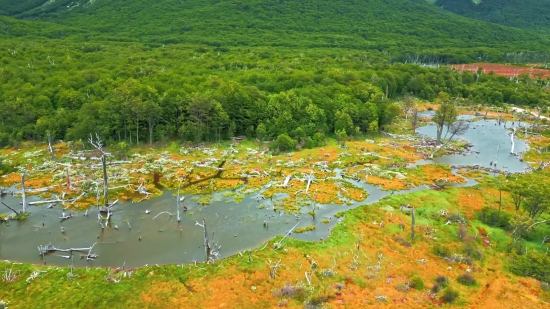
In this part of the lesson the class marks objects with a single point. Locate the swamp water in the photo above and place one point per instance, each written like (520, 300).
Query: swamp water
(235, 226)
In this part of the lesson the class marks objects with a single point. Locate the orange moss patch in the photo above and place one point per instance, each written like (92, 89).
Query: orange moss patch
(329, 154)
(471, 202)
(435, 173)
(387, 184)
(10, 179)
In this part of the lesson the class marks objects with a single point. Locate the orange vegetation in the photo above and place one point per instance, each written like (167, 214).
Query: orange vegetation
(502, 69)
(243, 284)
(387, 184)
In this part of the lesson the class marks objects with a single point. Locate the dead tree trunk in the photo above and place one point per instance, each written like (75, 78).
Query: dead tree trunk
(10, 208)
(23, 195)
(414, 119)
(68, 179)
(314, 204)
(105, 178)
(98, 144)
(178, 206)
(207, 248)
(273, 268)
(457, 128)
(512, 140)
(520, 118)
(50, 146)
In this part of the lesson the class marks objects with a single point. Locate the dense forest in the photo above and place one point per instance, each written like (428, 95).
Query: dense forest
(528, 14)
(134, 93)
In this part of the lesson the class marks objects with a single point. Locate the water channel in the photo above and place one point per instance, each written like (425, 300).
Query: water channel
(236, 226)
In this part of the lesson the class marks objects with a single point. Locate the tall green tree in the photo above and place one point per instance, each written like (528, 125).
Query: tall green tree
(445, 115)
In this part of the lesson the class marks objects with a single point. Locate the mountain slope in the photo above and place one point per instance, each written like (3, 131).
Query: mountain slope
(373, 24)
(11, 27)
(528, 14)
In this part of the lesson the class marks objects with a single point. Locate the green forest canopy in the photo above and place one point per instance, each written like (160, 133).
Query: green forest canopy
(527, 14)
(204, 93)
(394, 26)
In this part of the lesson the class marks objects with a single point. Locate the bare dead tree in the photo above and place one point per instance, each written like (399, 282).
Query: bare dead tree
(520, 118)
(414, 118)
(50, 147)
(534, 126)
(98, 144)
(273, 268)
(90, 256)
(23, 193)
(68, 179)
(279, 244)
(309, 178)
(408, 105)
(207, 248)
(178, 206)
(512, 140)
(457, 128)
(314, 203)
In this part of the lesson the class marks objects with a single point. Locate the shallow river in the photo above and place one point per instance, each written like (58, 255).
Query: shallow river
(236, 227)
(485, 135)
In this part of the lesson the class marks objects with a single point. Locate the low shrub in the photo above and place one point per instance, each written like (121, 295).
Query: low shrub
(436, 288)
(442, 280)
(466, 279)
(494, 217)
(402, 241)
(449, 295)
(403, 287)
(462, 232)
(441, 250)
(533, 264)
(417, 283)
(290, 291)
(316, 302)
(471, 250)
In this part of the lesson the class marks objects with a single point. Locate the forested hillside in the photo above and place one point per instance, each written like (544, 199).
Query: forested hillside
(126, 92)
(528, 14)
(396, 26)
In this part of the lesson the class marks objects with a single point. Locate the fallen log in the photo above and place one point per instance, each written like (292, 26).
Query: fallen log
(10, 208)
(46, 202)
